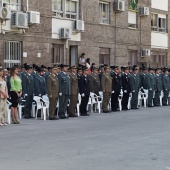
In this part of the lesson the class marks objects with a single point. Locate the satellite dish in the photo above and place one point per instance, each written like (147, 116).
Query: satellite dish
(4, 12)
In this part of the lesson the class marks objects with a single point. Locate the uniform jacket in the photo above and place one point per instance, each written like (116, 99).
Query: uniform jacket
(52, 85)
(158, 83)
(74, 84)
(134, 82)
(94, 83)
(106, 82)
(116, 83)
(27, 84)
(143, 80)
(84, 85)
(150, 81)
(64, 83)
(39, 85)
(126, 82)
(166, 82)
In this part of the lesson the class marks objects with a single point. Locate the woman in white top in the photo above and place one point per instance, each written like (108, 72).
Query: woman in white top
(82, 60)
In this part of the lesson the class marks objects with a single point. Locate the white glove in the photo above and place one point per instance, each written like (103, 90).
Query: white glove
(113, 91)
(166, 89)
(83, 95)
(150, 89)
(141, 87)
(125, 91)
(60, 94)
(25, 95)
(39, 95)
(133, 91)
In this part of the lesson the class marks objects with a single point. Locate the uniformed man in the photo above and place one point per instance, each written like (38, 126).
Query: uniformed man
(134, 86)
(166, 87)
(143, 78)
(74, 90)
(94, 81)
(116, 87)
(158, 87)
(52, 91)
(151, 86)
(64, 91)
(101, 71)
(125, 88)
(39, 83)
(79, 74)
(28, 91)
(84, 92)
(106, 83)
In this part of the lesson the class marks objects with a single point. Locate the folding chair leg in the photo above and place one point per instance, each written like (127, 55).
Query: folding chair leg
(78, 110)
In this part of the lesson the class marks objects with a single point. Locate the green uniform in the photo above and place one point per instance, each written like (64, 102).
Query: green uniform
(166, 88)
(94, 83)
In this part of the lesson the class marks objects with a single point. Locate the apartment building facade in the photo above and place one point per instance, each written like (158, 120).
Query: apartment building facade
(125, 32)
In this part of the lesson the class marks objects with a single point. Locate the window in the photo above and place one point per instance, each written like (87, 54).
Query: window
(12, 53)
(160, 60)
(132, 58)
(65, 8)
(104, 56)
(104, 12)
(158, 22)
(57, 54)
(13, 5)
(132, 19)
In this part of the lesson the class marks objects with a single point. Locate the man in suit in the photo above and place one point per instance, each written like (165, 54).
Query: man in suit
(126, 88)
(64, 91)
(52, 91)
(166, 87)
(158, 87)
(116, 87)
(28, 91)
(106, 83)
(73, 92)
(151, 86)
(84, 92)
(134, 86)
(94, 81)
(39, 83)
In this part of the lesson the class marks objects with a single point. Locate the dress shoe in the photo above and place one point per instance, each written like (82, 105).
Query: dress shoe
(73, 116)
(26, 117)
(105, 111)
(150, 106)
(51, 118)
(135, 108)
(85, 115)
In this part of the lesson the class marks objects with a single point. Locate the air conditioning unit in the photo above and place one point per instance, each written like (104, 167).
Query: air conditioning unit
(19, 20)
(5, 13)
(65, 33)
(145, 53)
(33, 17)
(144, 11)
(79, 25)
(119, 5)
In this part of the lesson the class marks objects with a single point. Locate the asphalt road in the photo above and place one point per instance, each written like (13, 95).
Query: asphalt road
(133, 140)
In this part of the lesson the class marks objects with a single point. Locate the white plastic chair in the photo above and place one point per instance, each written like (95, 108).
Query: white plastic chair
(129, 101)
(46, 102)
(40, 106)
(95, 101)
(20, 106)
(90, 104)
(140, 98)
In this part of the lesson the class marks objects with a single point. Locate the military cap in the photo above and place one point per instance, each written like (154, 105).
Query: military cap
(79, 69)
(126, 68)
(39, 69)
(144, 68)
(55, 67)
(106, 67)
(166, 69)
(27, 67)
(73, 67)
(157, 69)
(150, 68)
(95, 68)
(134, 68)
(85, 69)
(42, 66)
(63, 65)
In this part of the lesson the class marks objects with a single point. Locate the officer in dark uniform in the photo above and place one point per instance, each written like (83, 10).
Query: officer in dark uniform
(166, 87)
(134, 86)
(116, 87)
(64, 91)
(28, 91)
(84, 92)
(94, 81)
(79, 74)
(101, 71)
(126, 88)
(158, 87)
(151, 86)
(143, 78)
(73, 92)
(39, 83)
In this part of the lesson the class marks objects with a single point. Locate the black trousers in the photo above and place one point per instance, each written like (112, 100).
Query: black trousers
(28, 105)
(83, 105)
(114, 100)
(125, 100)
